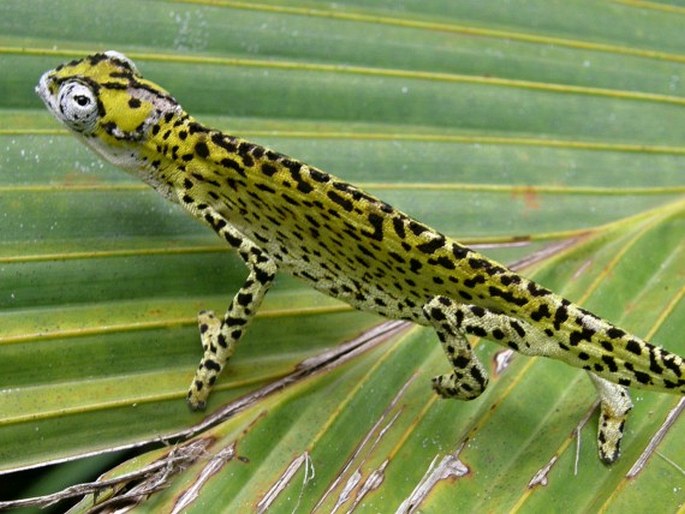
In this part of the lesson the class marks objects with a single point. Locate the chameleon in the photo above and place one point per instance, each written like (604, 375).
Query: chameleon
(282, 215)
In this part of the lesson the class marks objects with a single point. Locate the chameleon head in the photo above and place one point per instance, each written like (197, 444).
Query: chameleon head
(107, 104)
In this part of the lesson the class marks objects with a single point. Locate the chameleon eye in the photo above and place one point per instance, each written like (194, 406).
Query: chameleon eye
(78, 106)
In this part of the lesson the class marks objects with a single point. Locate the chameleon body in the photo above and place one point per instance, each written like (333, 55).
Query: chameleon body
(283, 215)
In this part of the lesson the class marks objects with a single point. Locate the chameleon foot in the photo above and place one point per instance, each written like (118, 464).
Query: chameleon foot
(614, 407)
(454, 385)
(208, 370)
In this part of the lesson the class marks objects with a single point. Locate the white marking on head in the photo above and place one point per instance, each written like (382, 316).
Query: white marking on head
(121, 57)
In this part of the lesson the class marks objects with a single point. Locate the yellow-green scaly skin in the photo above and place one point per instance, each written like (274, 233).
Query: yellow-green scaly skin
(283, 215)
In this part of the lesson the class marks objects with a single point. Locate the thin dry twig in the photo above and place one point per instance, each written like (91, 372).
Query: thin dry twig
(151, 478)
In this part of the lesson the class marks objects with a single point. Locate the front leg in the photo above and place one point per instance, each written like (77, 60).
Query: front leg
(220, 337)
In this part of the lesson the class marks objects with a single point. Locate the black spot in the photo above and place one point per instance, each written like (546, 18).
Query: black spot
(506, 295)
(580, 335)
(342, 202)
(263, 277)
(610, 362)
(633, 347)
(386, 208)
(232, 240)
(312, 220)
(290, 200)
(269, 169)
(134, 103)
(210, 364)
(459, 252)
(518, 328)
(477, 331)
(476, 279)
(498, 334)
(376, 222)
(168, 116)
(607, 346)
(431, 246)
(319, 176)
(365, 251)
(616, 333)
(583, 356)
(265, 188)
(398, 225)
(445, 262)
(475, 373)
(202, 150)
(188, 157)
(507, 280)
(465, 295)
(653, 365)
(232, 164)
(478, 311)
(560, 316)
(670, 362)
(225, 142)
(541, 312)
(295, 169)
(536, 290)
(232, 321)
(461, 362)
(417, 228)
(244, 298)
(642, 377)
(397, 257)
(182, 135)
(194, 127)
(415, 265)
(478, 263)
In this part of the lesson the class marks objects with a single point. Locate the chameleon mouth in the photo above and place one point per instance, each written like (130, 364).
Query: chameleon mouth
(43, 91)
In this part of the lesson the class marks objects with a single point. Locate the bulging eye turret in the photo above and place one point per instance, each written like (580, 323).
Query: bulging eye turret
(78, 106)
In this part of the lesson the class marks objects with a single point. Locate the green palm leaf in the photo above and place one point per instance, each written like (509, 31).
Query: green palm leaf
(544, 131)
